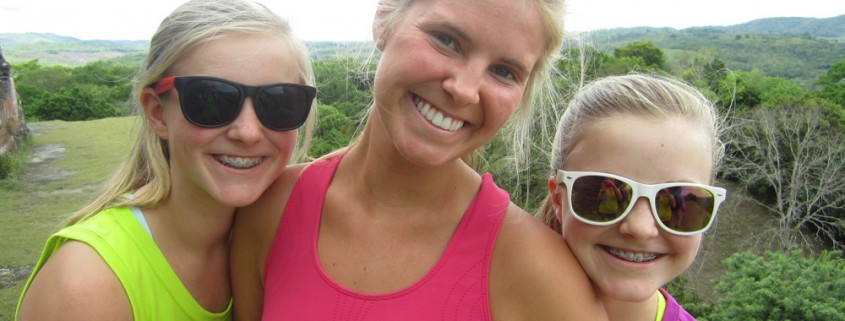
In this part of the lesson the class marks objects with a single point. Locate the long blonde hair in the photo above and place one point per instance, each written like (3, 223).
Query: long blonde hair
(193, 23)
(634, 94)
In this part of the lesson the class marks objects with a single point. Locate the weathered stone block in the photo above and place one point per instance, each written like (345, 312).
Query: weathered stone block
(13, 130)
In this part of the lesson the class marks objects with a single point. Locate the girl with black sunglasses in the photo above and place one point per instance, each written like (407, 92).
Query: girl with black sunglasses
(656, 141)
(399, 226)
(220, 97)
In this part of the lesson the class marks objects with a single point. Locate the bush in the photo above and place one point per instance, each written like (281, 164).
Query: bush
(775, 286)
(73, 105)
(12, 163)
(7, 166)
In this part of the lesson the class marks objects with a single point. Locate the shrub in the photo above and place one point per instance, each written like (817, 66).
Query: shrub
(7, 166)
(775, 286)
(73, 105)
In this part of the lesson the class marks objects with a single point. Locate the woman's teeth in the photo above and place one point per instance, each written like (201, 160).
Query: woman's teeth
(436, 117)
(239, 162)
(631, 256)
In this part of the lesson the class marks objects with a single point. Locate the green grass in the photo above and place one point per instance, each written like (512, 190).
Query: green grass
(35, 201)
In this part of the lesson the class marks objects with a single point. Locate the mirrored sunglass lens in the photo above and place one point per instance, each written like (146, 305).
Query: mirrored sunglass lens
(210, 102)
(600, 199)
(282, 107)
(685, 208)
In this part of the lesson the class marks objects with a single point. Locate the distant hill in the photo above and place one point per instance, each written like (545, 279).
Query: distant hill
(51, 49)
(828, 28)
(800, 49)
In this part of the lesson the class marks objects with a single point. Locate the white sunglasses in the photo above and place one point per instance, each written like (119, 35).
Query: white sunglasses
(603, 199)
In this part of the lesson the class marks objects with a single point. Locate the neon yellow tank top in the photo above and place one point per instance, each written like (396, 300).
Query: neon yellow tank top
(661, 306)
(154, 290)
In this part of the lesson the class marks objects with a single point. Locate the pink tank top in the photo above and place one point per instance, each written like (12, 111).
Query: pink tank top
(456, 288)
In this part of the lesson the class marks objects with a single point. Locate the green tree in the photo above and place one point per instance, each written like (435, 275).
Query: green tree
(833, 84)
(651, 55)
(775, 286)
(334, 131)
(344, 79)
(735, 94)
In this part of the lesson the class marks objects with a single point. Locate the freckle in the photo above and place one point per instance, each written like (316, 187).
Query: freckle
(365, 269)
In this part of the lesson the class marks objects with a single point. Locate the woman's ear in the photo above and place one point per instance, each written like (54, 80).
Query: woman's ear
(153, 108)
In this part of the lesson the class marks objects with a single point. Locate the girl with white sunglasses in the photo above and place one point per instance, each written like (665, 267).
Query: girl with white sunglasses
(629, 188)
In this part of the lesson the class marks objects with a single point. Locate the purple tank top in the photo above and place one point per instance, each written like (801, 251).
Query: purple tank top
(456, 288)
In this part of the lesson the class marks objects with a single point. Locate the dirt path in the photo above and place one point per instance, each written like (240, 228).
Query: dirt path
(39, 170)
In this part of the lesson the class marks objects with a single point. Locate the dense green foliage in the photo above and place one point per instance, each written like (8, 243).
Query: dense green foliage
(775, 286)
(95, 90)
(646, 53)
(832, 84)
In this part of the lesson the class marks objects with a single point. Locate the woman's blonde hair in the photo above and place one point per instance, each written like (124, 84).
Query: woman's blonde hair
(193, 23)
(539, 90)
(640, 95)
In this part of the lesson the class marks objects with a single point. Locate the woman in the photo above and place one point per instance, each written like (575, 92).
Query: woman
(221, 95)
(656, 139)
(398, 226)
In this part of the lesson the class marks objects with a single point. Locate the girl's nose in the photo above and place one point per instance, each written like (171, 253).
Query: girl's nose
(246, 128)
(640, 223)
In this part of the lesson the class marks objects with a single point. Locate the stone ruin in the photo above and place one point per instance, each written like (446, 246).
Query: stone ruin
(13, 128)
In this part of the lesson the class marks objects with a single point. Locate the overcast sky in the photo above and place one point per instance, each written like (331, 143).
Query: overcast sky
(342, 20)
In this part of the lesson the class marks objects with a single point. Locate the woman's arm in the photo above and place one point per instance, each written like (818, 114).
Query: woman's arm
(534, 275)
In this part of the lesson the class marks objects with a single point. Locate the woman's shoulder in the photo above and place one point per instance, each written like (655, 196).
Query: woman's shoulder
(535, 276)
(521, 231)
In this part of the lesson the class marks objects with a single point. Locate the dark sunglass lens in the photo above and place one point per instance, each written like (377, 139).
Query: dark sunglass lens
(210, 103)
(600, 199)
(282, 107)
(685, 208)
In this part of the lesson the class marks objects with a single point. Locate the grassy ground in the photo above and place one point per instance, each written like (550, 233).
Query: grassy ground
(67, 161)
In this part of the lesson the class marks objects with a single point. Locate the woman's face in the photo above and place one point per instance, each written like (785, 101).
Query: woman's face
(451, 74)
(629, 260)
(233, 164)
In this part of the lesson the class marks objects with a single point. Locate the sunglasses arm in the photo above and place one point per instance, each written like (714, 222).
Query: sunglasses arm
(163, 85)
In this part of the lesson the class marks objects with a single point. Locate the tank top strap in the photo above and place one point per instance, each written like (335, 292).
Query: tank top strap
(300, 223)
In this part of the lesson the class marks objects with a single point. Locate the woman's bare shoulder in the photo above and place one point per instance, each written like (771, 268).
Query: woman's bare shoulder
(534, 275)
